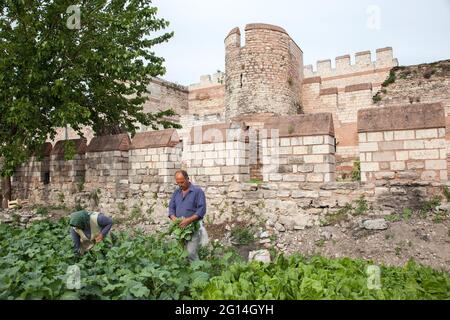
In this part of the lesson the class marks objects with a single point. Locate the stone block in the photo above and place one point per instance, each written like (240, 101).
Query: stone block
(397, 165)
(314, 177)
(391, 145)
(312, 140)
(402, 155)
(404, 135)
(388, 135)
(414, 144)
(322, 149)
(313, 158)
(370, 166)
(424, 154)
(383, 156)
(368, 147)
(375, 136)
(426, 133)
(300, 150)
(435, 164)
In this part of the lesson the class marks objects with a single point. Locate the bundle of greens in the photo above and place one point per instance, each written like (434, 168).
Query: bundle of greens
(183, 234)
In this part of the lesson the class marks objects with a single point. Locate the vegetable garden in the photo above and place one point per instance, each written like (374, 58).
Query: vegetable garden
(34, 264)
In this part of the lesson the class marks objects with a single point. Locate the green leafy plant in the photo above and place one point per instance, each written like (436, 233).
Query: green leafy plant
(300, 278)
(391, 79)
(34, 264)
(136, 214)
(407, 213)
(393, 217)
(356, 172)
(69, 150)
(61, 198)
(320, 243)
(42, 211)
(338, 216)
(122, 208)
(255, 180)
(430, 205)
(376, 98)
(243, 235)
(362, 206)
(183, 235)
(446, 192)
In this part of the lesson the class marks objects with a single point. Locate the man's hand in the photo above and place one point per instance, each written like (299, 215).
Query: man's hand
(188, 221)
(173, 218)
(99, 238)
(185, 223)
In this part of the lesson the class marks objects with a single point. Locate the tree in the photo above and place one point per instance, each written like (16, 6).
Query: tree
(75, 63)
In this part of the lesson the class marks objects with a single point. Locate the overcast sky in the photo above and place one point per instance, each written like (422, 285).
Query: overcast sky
(418, 31)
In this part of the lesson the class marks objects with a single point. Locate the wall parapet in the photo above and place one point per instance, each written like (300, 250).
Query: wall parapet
(119, 142)
(417, 116)
(405, 143)
(80, 147)
(155, 139)
(218, 133)
(302, 125)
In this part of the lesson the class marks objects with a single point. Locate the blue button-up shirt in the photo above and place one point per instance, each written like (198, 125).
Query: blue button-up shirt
(194, 202)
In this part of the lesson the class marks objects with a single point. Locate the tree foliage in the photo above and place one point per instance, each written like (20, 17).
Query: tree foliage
(59, 68)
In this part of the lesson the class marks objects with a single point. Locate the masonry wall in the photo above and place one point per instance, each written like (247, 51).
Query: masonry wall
(299, 149)
(107, 164)
(154, 158)
(264, 74)
(65, 174)
(343, 90)
(217, 153)
(29, 177)
(165, 95)
(389, 153)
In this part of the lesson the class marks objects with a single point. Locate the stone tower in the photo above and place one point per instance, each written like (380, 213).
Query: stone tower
(265, 75)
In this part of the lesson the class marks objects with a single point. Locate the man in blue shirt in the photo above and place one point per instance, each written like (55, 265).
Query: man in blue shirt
(189, 203)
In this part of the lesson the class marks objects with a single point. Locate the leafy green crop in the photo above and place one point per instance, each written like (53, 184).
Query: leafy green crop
(34, 264)
(183, 234)
(299, 278)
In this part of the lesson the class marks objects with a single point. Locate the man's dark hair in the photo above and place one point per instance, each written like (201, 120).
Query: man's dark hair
(184, 173)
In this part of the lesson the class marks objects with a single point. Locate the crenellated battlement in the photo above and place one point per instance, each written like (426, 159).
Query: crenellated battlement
(384, 58)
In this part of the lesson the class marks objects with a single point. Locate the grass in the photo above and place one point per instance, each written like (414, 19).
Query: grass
(340, 215)
(243, 235)
(376, 98)
(391, 79)
(362, 206)
(446, 192)
(257, 181)
(42, 211)
(356, 172)
(320, 243)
